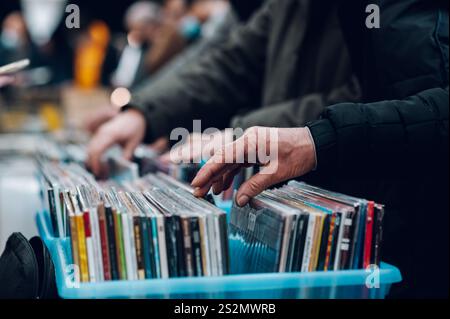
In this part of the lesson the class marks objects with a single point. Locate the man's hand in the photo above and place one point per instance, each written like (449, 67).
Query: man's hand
(198, 147)
(100, 117)
(126, 129)
(292, 154)
(161, 145)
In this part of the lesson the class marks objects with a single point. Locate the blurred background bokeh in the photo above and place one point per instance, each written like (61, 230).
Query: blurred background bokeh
(79, 76)
(78, 72)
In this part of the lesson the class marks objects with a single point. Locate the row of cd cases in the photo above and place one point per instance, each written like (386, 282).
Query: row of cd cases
(302, 228)
(152, 227)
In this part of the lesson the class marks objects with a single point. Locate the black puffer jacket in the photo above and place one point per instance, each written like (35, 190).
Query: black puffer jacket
(394, 149)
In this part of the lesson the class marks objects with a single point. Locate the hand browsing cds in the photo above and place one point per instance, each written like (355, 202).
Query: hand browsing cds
(291, 155)
(126, 129)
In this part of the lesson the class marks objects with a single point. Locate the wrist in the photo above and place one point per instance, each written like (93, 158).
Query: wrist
(312, 148)
(305, 151)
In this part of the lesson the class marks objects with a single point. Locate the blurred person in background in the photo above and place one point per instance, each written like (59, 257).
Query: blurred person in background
(215, 31)
(56, 56)
(15, 43)
(169, 41)
(142, 21)
(207, 25)
(182, 25)
(50, 61)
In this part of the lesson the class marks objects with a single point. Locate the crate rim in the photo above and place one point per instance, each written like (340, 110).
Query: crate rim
(195, 285)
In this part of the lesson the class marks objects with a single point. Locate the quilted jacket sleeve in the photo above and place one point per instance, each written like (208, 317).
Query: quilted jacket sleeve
(388, 138)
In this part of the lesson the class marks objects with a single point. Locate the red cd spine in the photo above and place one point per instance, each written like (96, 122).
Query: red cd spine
(369, 234)
(104, 243)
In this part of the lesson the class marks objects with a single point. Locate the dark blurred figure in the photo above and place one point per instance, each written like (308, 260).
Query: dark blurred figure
(57, 56)
(183, 24)
(50, 61)
(15, 43)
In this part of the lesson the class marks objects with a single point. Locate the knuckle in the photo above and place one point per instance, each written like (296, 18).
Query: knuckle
(253, 186)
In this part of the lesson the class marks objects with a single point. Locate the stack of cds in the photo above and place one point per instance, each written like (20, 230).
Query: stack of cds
(149, 228)
(185, 172)
(303, 228)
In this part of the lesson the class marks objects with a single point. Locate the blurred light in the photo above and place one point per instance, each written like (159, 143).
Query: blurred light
(99, 33)
(120, 97)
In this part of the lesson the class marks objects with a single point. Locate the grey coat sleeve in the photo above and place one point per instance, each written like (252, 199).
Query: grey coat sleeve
(214, 88)
(298, 112)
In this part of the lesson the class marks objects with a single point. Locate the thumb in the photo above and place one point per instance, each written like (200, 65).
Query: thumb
(256, 185)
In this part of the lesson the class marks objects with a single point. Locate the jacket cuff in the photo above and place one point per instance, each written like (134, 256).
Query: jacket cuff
(324, 136)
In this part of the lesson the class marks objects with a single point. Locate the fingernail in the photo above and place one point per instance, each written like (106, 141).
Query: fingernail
(197, 191)
(243, 200)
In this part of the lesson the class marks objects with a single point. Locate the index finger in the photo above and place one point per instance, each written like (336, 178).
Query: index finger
(97, 147)
(218, 179)
(219, 163)
(208, 172)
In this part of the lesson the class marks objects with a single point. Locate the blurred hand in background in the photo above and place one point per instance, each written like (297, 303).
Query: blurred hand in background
(99, 117)
(6, 80)
(127, 129)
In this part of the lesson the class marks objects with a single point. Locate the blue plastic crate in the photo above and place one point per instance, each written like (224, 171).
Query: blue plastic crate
(337, 284)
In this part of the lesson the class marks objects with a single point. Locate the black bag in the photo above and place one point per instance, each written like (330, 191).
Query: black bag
(26, 270)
